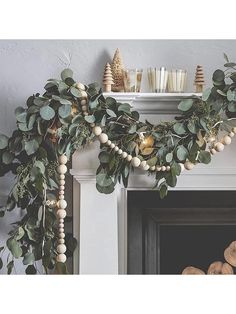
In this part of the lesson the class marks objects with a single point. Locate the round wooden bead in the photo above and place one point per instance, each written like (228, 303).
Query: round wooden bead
(182, 167)
(143, 163)
(62, 169)
(61, 248)
(61, 192)
(163, 168)
(158, 168)
(84, 108)
(61, 225)
(63, 159)
(84, 94)
(80, 86)
(226, 140)
(85, 113)
(231, 134)
(116, 148)
(211, 139)
(62, 182)
(61, 220)
(153, 168)
(234, 130)
(61, 197)
(97, 130)
(61, 235)
(135, 162)
(112, 145)
(61, 213)
(108, 142)
(120, 151)
(219, 147)
(103, 138)
(61, 230)
(167, 168)
(146, 167)
(62, 176)
(83, 102)
(62, 187)
(129, 158)
(92, 125)
(62, 204)
(124, 155)
(188, 165)
(61, 241)
(61, 258)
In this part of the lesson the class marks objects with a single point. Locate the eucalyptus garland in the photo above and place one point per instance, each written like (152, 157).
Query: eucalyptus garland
(70, 115)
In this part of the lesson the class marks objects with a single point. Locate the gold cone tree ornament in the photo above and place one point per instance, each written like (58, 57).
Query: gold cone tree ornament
(117, 71)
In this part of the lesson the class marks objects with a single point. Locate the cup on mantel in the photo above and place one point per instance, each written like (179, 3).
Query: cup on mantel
(157, 79)
(132, 80)
(177, 81)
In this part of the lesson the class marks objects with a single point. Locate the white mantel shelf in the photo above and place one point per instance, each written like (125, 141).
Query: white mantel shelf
(153, 103)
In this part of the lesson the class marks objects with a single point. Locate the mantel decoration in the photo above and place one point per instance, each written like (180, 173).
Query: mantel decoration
(70, 115)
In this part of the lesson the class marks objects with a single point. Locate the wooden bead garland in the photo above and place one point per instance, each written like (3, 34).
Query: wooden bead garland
(61, 212)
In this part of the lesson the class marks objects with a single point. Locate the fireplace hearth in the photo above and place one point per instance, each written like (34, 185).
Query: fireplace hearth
(186, 228)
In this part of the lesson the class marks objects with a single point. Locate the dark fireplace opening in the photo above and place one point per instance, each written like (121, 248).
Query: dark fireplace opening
(188, 228)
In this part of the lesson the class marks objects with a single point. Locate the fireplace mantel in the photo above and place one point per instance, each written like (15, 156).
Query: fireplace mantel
(100, 221)
(153, 103)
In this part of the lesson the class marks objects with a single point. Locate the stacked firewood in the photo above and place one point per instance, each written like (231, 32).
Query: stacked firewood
(218, 267)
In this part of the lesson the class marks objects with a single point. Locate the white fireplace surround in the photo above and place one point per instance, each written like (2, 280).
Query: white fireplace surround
(100, 221)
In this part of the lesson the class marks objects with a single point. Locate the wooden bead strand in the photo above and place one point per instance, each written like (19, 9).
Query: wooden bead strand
(61, 212)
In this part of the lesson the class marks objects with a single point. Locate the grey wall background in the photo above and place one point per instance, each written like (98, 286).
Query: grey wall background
(25, 65)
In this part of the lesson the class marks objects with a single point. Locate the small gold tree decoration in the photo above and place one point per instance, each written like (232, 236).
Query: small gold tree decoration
(107, 78)
(199, 79)
(117, 71)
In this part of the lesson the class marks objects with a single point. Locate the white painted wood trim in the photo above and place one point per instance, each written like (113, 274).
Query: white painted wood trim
(153, 103)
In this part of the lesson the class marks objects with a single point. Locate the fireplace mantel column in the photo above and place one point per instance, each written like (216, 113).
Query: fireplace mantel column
(95, 220)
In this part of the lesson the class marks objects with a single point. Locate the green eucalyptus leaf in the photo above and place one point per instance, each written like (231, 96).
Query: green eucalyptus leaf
(28, 258)
(218, 76)
(185, 104)
(61, 268)
(3, 141)
(104, 157)
(103, 179)
(31, 147)
(7, 157)
(124, 107)
(179, 128)
(231, 95)
(169, 157)
(204, 157)
(10, 266)
(182, 153)
(75, 92)
(64, 111)
(105, 189)
(192, 127)
(90, 118)
(39, 164)
(47, 113)
(163, 189)
(206, 94)
(66, 73)
(30, 270)
(232, 106)
(229, 64)
(152, 161)
(20, 233)
(111, 113)
(14, 247)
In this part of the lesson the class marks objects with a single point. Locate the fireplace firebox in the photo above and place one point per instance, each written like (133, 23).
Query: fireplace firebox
(186, 228)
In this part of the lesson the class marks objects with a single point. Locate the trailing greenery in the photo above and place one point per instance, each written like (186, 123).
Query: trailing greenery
(53, 124)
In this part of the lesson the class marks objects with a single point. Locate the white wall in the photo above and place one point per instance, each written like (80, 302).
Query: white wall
(25, 65)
